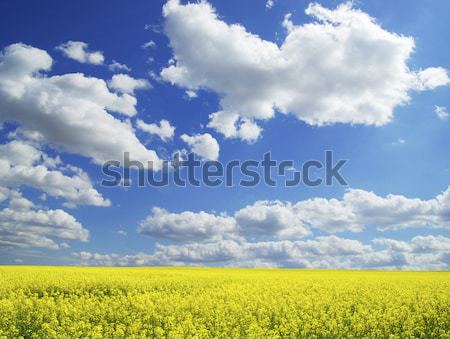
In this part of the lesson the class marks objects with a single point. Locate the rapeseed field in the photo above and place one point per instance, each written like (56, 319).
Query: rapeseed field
(49, 302)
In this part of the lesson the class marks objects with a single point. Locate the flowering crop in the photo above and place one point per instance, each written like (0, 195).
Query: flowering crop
(205, 303)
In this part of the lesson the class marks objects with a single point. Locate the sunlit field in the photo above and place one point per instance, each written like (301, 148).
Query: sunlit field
(207, 303)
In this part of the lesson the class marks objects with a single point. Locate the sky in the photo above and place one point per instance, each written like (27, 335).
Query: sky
(83, 82)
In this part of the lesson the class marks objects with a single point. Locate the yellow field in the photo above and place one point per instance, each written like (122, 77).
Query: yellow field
(245, 303)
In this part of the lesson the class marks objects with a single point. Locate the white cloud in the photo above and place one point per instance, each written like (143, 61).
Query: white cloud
(432, 77)
(418, 244)
(270, 3)
(357, 211)
(321, 252)
(268, 219)
(341, 68)
(187, 226)
(78, 50)
(204, 145)
(329, 215)
(191, 94)
(165, 131)
(22, 224)
(123, 83)
(441, 112)
(24, 164)
(396, 211)
(117, 66)
(148, 44)
(69, 111)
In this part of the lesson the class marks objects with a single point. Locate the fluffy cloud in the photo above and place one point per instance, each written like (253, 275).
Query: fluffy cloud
(24, 164)
(418, 244)
(343, 67)
(78, 50)
(69, 111)
(204, 145)
(321, 252)
(22, 224)
(123, 83)
(165, 131)
(265, 220)
(187, 226)
(360, 209)
(357, 210)
(268, 219)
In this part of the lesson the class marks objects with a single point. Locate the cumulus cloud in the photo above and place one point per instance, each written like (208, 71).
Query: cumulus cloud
(356, 211)
(266, 220)
(187, 226)
(204, 145)
(117, 66)
(343, 67)
(69, 111)
(432, 77)
(123, 83)
(79, 51)
(22, 224)
(320, 252)
(360, 209)
(24, 164)
(164, 130)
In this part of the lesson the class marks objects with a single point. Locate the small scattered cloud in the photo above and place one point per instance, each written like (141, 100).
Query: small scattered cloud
(204, 145)
(270, 4)
(191, 94)
(125, 84)
(148, 44)
(153, 27)
(117, 66)
(399, 141)
(79, 51)
(164, 130)
(121, 233)
(441, 112)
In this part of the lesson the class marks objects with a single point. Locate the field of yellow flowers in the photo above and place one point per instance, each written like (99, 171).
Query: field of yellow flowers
(237, 303)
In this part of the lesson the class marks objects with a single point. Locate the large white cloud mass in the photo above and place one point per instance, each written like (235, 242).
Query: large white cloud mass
(23, 224)
(355, 212)
(70, 111)
(421, 252)
(279, 234)
(22, 164)
(187, 226)
(343, 67)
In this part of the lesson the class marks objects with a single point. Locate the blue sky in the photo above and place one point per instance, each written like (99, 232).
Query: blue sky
(344, 83)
